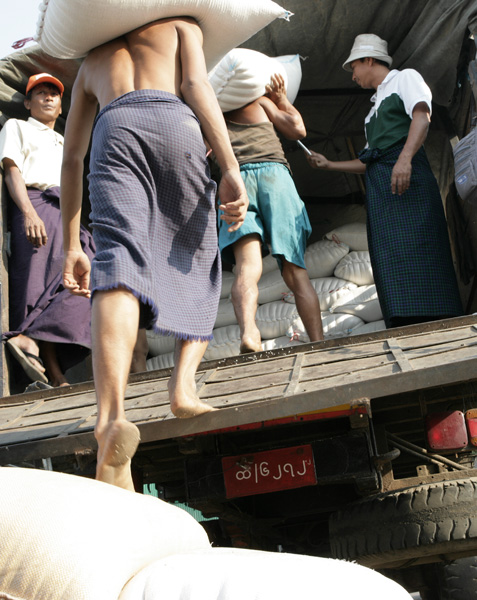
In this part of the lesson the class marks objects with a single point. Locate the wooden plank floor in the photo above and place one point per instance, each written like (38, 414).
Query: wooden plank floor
(250, 389)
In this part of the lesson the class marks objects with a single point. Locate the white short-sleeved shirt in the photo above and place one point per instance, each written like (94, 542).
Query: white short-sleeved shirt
(388, 121)
(36, 150)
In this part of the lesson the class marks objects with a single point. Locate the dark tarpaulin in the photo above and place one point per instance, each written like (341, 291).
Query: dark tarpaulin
(428, 35)
(425, 35)
(431, 36)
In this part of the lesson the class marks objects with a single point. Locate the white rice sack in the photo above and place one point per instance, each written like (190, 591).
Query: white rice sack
(339, 325)
(241, 77)
(226, 342)
(369, 327)
(160, 344)
(353, 235)
(334, 325)
(274, 318)
(322, 257)
(356, 267)
(269, 263)
(225, 314)
(66, 537)
(280, 342)
(328, 289)
(227, 281)
(69, 29)
(362, 302)
(465, 167)
(161, 361)
(292, 65)
(271, 287)
(240, 574)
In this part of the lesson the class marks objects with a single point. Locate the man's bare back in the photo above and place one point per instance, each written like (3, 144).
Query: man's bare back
(146, 58)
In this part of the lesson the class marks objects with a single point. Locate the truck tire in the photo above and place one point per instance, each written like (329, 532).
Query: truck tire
(391, 529)
(456, 580)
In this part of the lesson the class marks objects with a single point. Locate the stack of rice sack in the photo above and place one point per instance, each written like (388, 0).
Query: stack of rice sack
(353, 306)
(159, 551)
(340, 272)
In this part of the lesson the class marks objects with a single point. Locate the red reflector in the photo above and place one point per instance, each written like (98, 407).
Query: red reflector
(471, 418)
(447, 431)
(270, 471)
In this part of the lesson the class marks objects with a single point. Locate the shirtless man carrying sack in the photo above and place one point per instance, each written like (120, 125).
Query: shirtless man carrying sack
(157, 263)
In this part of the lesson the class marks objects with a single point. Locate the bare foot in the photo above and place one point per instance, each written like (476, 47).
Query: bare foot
(60, 381)
(250, 344)
(117, 444)
(190, 407)
(186, 405)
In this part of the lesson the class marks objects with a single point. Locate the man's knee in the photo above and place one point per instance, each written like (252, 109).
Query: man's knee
(294, 276)
(248, 255)
(247, 244)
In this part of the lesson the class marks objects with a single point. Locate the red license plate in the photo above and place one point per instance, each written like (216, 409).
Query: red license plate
(272, 471)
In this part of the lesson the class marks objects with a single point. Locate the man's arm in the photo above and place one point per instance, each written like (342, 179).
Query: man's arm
(35, 230)
(200, 96)
(318, 161)
(281, 112)
(76, 265)
(401, 174)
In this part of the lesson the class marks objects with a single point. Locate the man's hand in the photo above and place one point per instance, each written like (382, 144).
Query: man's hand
(317, 161)
(234, 199)
(35, 230)
(76, 272)
(276, 90)
(401, 176)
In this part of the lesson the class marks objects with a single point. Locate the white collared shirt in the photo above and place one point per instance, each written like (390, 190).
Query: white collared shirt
(389, 119)
(36, 150)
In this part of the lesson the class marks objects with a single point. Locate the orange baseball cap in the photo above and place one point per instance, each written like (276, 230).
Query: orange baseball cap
(44, 78)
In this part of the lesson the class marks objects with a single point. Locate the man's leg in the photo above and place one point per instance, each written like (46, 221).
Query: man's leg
(50, 358)
(182, 388)
(307, 303)
(114, 326)
(248, 269)
(141, 348)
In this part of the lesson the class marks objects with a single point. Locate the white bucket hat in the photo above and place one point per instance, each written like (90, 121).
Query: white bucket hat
(368, 45)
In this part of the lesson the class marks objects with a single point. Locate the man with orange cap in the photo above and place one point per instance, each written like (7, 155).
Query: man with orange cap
(44, 318)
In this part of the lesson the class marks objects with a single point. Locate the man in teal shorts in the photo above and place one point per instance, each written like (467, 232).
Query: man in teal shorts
(276, 214)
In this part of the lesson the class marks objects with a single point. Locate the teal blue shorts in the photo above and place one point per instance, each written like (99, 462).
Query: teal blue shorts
(276, 212)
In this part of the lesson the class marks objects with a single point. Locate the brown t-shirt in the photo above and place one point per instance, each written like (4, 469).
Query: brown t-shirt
(256, 142)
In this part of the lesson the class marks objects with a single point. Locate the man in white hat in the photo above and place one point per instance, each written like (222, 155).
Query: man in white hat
(407, 230)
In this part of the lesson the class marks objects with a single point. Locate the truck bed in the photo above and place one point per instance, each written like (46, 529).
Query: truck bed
(250, 389)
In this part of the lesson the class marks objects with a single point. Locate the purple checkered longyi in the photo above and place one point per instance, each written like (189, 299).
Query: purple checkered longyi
(153, 214)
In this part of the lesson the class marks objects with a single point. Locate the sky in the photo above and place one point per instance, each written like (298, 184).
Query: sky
(18, 21)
